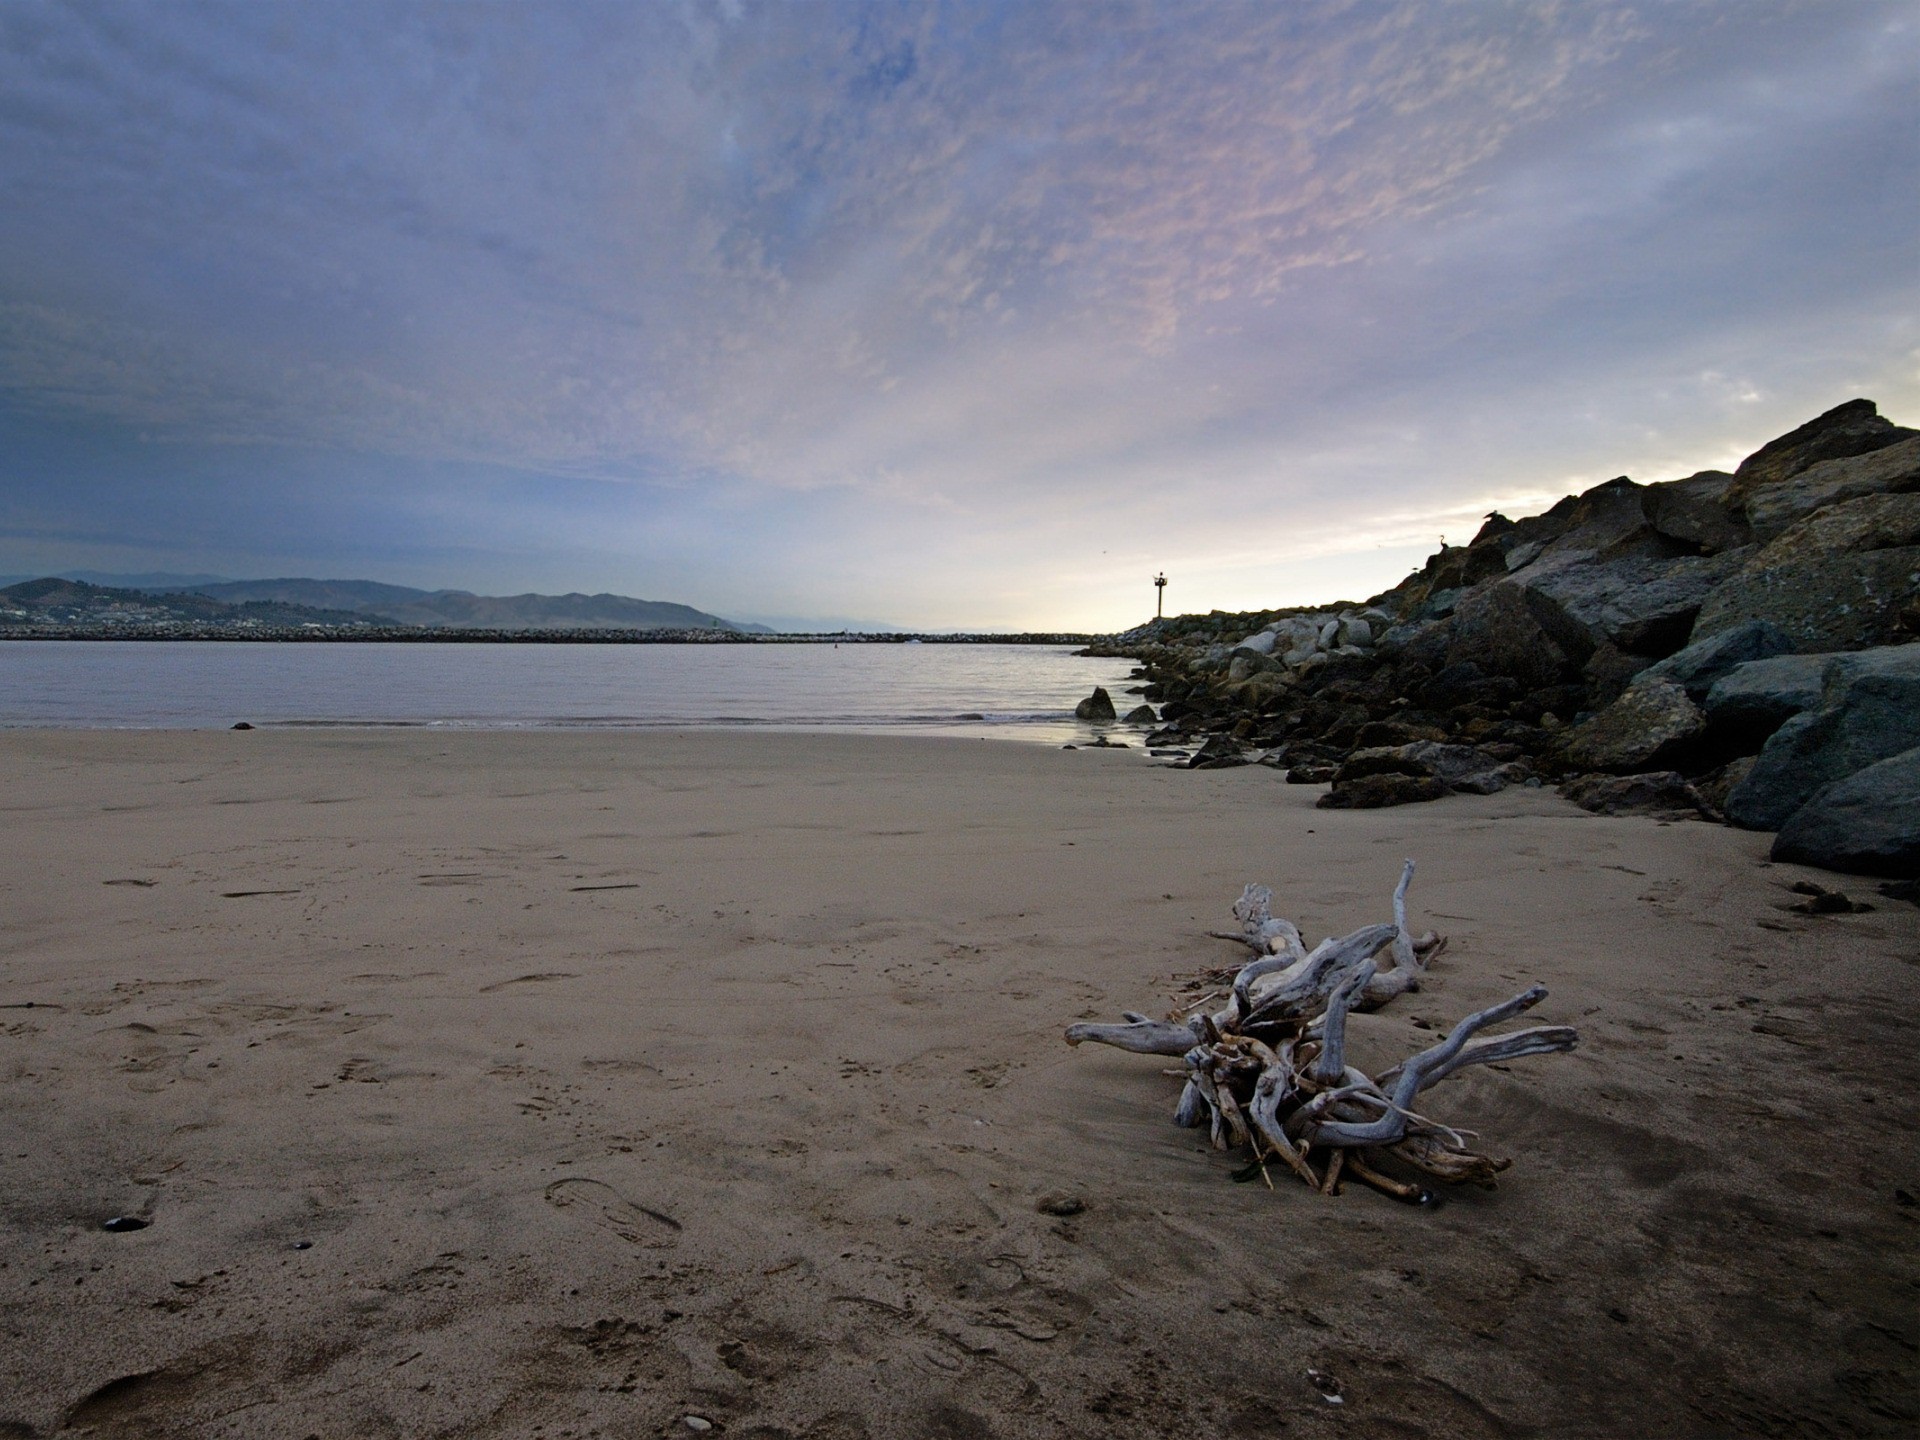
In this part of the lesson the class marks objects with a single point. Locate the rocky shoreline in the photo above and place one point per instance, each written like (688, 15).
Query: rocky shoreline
(450, 635)
(1732, 646)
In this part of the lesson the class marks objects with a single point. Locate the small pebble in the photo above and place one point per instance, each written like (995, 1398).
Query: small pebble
(125, 1224)
(1328, 1387)
(303, 1244)
(1061, 1205)
(697, 1423)
(243, 725)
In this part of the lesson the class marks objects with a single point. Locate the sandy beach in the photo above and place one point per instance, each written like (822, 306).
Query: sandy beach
(515, 1084)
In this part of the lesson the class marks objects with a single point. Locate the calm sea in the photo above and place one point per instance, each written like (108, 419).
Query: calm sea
(1022, 692)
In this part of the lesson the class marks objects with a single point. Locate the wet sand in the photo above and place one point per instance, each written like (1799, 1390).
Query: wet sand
(489, 1084)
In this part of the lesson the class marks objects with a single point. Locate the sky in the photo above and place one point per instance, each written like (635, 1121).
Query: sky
(966, 315)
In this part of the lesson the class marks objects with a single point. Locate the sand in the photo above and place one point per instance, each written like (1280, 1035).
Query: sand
(493, 1084)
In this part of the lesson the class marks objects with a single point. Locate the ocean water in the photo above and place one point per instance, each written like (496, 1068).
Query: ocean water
(1023, 692)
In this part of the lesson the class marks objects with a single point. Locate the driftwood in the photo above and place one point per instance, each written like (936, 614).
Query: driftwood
(1269, 1070)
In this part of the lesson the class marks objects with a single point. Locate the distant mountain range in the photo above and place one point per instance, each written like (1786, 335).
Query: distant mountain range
(64, 603)
(300, 601)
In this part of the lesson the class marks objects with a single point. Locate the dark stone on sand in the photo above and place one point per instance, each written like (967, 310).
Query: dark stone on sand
(1376, 792)
(1142, 715)
(1654, 719)
(1657, 792)
(1865, 824)
(1097, 706)
(1060, 1204)
(124, 1224)
(1869, 711)
(1219, 753)
(242, 725)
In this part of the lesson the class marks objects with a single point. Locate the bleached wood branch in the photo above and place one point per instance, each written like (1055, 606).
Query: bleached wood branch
(1271, 1070)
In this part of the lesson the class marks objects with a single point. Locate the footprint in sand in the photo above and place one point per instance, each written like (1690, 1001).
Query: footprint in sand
(540, 979)
(633, 1223)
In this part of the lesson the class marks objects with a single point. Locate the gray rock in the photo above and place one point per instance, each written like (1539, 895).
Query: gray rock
(1608, 672)
(1867, 522)
(1660, 792)
(1356, 632)
(1603, 519)
(1259, 643)
(1865, 824)
(1854, 428)
(1760, 696)
(1524, 554)
(1656, 616)
(1715, 787)
(1773, 508)
(1695, 510)
(1142, 715)
(1493, 781)
(1245, 664)
(1219, 753)
(1454, 764)
(1495, 628)
(1097, 706)
(1697, 668)
(1458, 767)
(1652, 721)
(1869, 711)
(1295, 632)
(1374, 792)
(1826, 603)
(1644, 604)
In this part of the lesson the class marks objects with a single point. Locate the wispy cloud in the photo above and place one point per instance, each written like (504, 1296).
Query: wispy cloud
(967, 283)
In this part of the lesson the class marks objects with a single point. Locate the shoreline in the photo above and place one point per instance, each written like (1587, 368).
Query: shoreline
(610, 1077)
(420, 635)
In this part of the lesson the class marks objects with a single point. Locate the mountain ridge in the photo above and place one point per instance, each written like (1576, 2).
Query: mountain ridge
(377, 601)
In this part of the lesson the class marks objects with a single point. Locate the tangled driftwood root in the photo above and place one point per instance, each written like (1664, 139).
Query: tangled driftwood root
(1269, 1070)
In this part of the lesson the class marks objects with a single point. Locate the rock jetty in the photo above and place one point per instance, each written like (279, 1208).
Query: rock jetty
(1736, 645)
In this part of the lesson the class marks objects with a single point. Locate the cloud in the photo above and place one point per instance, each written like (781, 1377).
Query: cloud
(959, 282)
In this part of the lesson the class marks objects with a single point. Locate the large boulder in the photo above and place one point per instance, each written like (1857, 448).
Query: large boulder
(1655, 616)
(1757, 698)
(1695, 511)
(1097, 706)
(1701, 665)
(1448, 763)
(1865, 824)
(1374, 792)
(1869, 711)
(1660, 792)
(1854, 428)
(1595, 521)
(1838, 580)
(1495, 629)
(1643, 600)
(1420, 770)
(1247, 663)
(1772, 509)
(1653, 722)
